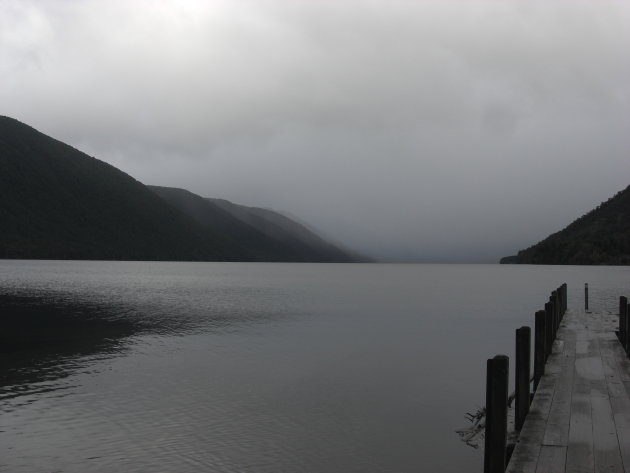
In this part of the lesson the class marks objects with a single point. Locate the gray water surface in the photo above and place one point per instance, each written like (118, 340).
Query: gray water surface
(227, 367)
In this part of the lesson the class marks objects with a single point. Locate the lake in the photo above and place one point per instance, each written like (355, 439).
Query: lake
(229, 367)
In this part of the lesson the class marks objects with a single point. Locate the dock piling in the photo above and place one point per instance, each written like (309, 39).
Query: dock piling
(623, 311)
(495, 454)
(558, 309)
(539, 347)
(522, 370)
(549, 330)
(554, 318)
(586, 296)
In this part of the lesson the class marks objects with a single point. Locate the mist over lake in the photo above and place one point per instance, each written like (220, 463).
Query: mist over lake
(450, 131)
(187, 367)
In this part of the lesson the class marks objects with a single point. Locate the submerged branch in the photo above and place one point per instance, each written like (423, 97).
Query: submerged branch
(474, 434)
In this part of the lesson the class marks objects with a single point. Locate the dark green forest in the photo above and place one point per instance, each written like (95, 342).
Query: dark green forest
(59, 203)
(600, 237)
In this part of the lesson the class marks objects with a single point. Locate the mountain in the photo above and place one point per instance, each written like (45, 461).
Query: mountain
(602, 236)
(59, 203)
(291, 233)
(262, 232)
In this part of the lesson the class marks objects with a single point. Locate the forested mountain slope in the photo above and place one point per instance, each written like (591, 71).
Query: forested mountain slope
(602, 236)
(59, 203)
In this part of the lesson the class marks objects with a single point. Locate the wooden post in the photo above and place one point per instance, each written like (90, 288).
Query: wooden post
(549, 332)
(558, 310)
(586, 296)
(626, 345)
(552, 308)
(539, 347)
(554, 311)
(623, 313)
(522, 370)
(496, 414)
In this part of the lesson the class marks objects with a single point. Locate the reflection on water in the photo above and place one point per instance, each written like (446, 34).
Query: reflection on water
(192, 367)
(47, 335)
(44, 338)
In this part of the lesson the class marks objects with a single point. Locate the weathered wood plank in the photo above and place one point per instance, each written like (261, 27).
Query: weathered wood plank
(525, 455)
(605, 441)
(615, 386)
(624, 365)
(621, 415)
(557, 428)
(580, 455)
(552, 459)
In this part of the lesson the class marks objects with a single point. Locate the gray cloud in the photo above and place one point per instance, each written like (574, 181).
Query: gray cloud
(438, 130)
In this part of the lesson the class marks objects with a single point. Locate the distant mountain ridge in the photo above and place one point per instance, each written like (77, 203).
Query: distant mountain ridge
(59, 203)
(290, 232)
(602, 237)
(262, 231)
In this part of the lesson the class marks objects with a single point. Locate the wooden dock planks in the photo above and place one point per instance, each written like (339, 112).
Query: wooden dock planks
(579, 419)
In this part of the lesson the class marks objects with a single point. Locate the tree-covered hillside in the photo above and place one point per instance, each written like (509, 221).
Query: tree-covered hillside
(602, 236)
(292, 234)
(261, 236)
(57, 202)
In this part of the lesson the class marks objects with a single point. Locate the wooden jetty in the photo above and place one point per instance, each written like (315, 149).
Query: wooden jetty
(579, 417)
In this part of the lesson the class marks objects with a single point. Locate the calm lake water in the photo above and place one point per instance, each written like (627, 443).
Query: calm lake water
(217, 367)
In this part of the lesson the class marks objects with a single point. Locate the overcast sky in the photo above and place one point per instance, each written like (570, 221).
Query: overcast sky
(428, 130)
